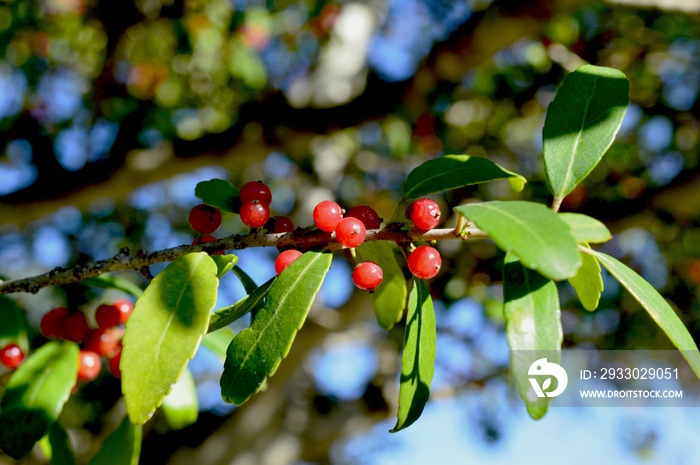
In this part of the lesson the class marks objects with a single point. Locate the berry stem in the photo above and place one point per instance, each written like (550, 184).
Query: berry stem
(298, 239)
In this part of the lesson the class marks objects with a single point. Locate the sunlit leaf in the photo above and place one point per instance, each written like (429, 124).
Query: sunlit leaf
(122, 447)
(35, 395)
(252, 302)
(536, 234)
(588, 282)
(418, 360)
(586, 229)
(255, 353)
(390, 296)
(656, 306)
(581, 124)
(164, 331)
(533, 325)
(224, 263)
(452, 172)
(218, 341)
(107, 281)
(220, 194)
(181, 407)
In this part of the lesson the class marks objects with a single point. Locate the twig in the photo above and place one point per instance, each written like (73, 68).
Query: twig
(299, 238)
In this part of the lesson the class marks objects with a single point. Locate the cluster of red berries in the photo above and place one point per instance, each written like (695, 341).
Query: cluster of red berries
(350, 230)
(101, 342)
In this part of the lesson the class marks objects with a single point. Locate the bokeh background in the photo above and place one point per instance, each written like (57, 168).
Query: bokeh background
(111, 112)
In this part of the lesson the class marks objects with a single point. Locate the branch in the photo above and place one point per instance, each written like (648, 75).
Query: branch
(300, 238)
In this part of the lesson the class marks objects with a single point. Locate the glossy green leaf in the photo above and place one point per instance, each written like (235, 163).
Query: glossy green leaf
(164, 331)
(656, 306)
(536, 234)
(588, 282)
(418, 360)
(248, 283)
(255, 353)
(218, 341)
(390, 296)
(35, 395)
(181, 407)
(61, 452)
(107, 281)
(533, 326)
(13, 325)
(220, 194)
(586, 229)
(452, 172)
(581, 124)
(122, 447)
(224, 263)
(252, 302)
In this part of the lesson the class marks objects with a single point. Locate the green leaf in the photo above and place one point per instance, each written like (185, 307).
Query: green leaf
(35, 396)
(533, 324)
(656, 306)
(164, 331)
(61, 452)
(390, 295)
(181, 407)
(224, 263)
(252, 302)
(536, 234)
(218, 341)
(418, 360)
(588, 283)
(255, 353)
(248, 283)
(586, 229)
(106, 281)
(122, 447)
(452, 172)
(13, 325)
(581, 124)
(220, 194)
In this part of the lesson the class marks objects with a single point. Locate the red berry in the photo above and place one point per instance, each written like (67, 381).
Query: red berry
(104, 342)
(282, 224)
(285, 259)
(107, 316)
(114, 365)
(89, 365)
(367, 275)
(75, 327)
(205, 219)
(204, 239)
(424, 262)
(52, 322)
(367, 215)
(255, 214)
(11, 356)
(125, 308)
(327, 215)
(424, 213)
(255, 191)
(350, 232)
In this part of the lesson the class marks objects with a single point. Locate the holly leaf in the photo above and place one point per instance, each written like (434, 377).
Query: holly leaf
(35, 395)
(581, 124)
(250, 303)
(224, 263)
(390, 296)
(122, 447)
(255, 353)
(248, 283)
(660, 311)
(220, 194)
(533, 326)
(418, 360)
(588, 283)
(13, 325)
(454, 171)
(534, 232)
(164, 331)
(586, 229)
(61, 452)
(181, 407)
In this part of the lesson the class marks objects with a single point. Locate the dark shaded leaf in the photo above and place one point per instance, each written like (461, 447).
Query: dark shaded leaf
(122, 447)
(220, 194)
(252, 302)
